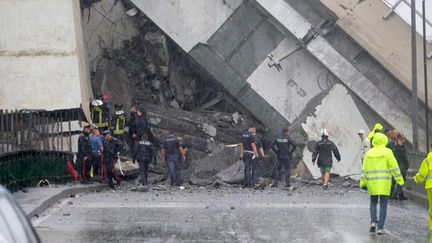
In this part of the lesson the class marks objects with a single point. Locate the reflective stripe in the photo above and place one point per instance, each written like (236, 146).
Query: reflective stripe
(394, 170)
(397, 176)
(375, 171)
(247, 151)
(98, 112)
(120, 124)
(422, 177)
(376, 178)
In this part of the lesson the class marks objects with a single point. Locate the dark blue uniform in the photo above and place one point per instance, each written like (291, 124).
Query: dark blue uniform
(284, 148)
(84, 154)
(256, 169)
(172, 145)
(247, 140)
(143, 152)
(111, 149)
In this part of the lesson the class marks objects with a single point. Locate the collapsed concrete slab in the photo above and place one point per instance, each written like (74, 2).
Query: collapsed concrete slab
(339, 114)
(233, 174)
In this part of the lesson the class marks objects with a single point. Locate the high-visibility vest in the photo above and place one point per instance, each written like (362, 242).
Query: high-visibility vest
(97, 116)
(120, 124)
(424, 174)
(379, 166)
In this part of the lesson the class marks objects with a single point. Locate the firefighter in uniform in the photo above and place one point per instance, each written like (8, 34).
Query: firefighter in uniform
(100, 112)
(424, 175)
(143, 152)
(248, 152)
(118, 121)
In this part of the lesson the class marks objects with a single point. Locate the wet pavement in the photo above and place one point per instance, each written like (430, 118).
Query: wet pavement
(198, 214)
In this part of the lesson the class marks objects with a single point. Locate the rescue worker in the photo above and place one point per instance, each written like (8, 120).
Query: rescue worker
(284, 148)
(100, 113)
(132, 127)
(118, 122)
(424, 176)
(84, 153)
(323, 151)
(141, 124)
(379, 166)
(143, 152)
(112, 148)
(172, 151)
(96, 151)
(365, 143)
(256, 169)
(248, 152)
(377, 128)
(401, 156)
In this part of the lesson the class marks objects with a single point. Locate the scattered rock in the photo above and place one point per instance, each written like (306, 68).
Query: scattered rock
(218, 183)
(143, 189)
(232, 207)
(346, 184)
(70, 202)
(160, 188)
(233, 174)
(66, 214)
(134, 189)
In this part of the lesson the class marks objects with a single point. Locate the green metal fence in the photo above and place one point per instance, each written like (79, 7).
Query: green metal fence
(26, 168)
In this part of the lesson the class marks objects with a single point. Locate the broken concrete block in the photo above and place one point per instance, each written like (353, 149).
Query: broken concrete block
(339, 114)
(130, 170)
(199, 182)
(208, 167)
(233, 174)
(302, 170)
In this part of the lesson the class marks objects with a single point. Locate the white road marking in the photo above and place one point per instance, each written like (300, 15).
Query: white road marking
(246, 205)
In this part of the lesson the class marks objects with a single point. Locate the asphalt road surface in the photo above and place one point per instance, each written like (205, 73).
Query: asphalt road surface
(308, 214)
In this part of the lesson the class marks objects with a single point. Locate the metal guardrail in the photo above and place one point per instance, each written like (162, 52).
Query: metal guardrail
(392, 10)
(35, 145)
(23, 169)
(415, 160)
(37, 129)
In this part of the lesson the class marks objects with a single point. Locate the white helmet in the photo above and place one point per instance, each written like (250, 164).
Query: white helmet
(324, 132)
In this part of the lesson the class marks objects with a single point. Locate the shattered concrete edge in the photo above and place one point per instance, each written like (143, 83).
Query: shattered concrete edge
(61, 195)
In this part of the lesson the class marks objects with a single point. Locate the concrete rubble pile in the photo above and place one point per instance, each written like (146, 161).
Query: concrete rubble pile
(143, 66)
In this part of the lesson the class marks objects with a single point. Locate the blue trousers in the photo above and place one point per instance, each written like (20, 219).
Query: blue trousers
(248, 172)
(383, 201)
(174, 166)
(277, 170)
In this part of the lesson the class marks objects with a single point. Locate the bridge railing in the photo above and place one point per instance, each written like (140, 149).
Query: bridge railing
(35, 145)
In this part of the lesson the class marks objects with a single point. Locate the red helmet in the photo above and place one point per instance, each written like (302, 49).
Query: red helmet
(104, 97)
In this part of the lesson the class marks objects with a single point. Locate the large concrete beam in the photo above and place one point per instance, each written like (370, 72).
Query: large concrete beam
(339, 66)
(339, 114)
(188, 22)
(42, 58)
(388, 41)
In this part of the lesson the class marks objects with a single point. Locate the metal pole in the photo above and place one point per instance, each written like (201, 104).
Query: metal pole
(414, 103)
(425, 75)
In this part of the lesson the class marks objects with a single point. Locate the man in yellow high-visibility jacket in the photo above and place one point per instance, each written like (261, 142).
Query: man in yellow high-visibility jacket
(424, 175)
(379, 166)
